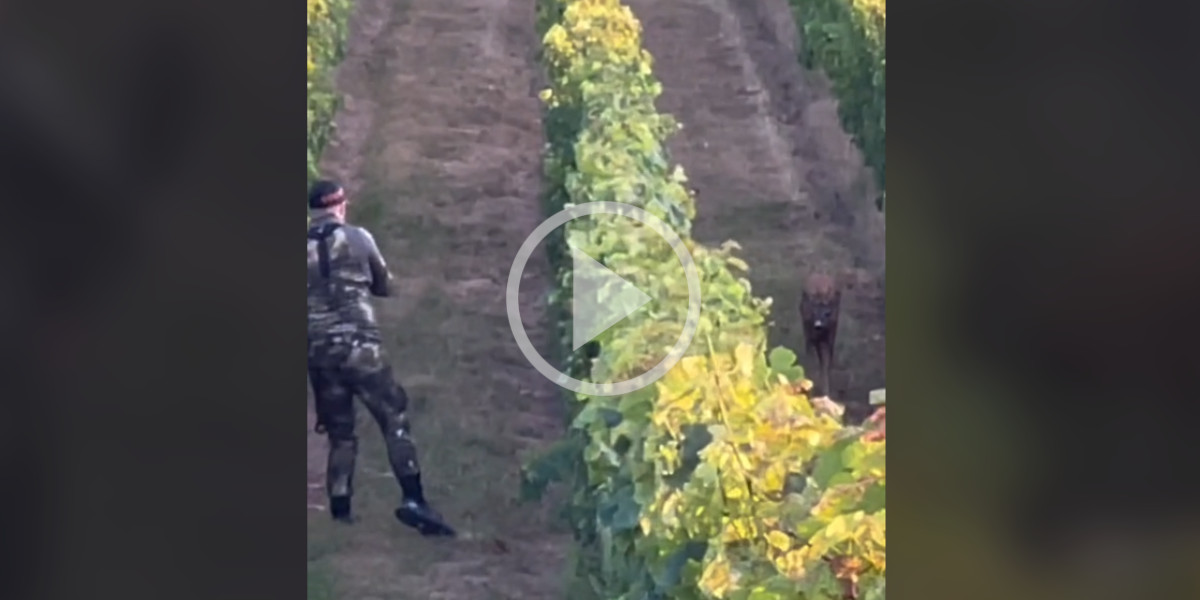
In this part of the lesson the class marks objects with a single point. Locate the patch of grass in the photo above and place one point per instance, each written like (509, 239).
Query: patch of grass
(462, 424)
(383, 210)
(460, 421)
(323, 543)
(368, 209)
(321, 579)
(320, 583)
(743, 221)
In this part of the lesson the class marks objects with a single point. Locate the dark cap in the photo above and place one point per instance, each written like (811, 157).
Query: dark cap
(324, 194)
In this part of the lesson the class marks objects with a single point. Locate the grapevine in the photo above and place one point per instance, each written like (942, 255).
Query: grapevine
(326, 36)
(847, 39)
(723, 480)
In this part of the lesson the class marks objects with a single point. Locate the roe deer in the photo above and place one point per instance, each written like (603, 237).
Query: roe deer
(819, 303)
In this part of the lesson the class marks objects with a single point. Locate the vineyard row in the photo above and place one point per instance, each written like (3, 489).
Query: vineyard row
(847, 39)
(723, 479)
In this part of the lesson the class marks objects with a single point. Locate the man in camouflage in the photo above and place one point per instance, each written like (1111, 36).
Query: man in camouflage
(346, 358)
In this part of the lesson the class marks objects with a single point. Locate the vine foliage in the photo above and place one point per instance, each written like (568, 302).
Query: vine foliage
(848, 40)
(723, 480)
(326, 38)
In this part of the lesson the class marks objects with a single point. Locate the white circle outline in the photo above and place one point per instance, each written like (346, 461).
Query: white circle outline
(513, 307)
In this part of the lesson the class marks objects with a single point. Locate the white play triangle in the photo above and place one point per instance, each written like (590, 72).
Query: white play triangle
(588, 318)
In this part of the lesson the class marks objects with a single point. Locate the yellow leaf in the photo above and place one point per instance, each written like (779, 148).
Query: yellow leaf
(877, 533)
(691, 367)
(779, 540)
(722, 363)
(812, 438)
(791, 564)
(741, 529)
(670, 508)
(670, 456)
(744, 355)
(717, 578)
(837, 530)
(773, 479)
(862, 531)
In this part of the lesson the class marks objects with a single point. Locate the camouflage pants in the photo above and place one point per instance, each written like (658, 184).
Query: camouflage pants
(341, 369)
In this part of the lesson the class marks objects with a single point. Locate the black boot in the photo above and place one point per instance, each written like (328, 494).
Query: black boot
(339, 509)
(416, 512)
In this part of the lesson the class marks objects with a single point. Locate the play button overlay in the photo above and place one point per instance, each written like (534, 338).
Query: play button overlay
(601, 298)
(591, 316)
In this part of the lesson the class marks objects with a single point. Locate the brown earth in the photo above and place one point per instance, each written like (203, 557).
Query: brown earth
(439, 144)
(773, 169)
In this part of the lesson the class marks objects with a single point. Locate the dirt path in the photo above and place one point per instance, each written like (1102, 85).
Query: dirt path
(774, 170)
(439, 146)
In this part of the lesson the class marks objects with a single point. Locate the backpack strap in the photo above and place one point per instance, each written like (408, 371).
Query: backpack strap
(321, 234)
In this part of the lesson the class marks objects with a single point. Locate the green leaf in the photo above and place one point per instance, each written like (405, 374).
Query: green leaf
(874, 499)
(551, 466)
(621, 512)
(829, 463)
(874, 590)
(853, 456)
(821, 583)
(586, 416)
(637, 405)
(611, 417)
(763, 594)
(672, 572)
(783, 361)
(841, 478)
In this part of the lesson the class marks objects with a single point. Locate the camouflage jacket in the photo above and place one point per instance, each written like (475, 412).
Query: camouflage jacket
(345, 268)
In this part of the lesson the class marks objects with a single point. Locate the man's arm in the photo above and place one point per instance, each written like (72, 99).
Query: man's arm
(381, 278)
